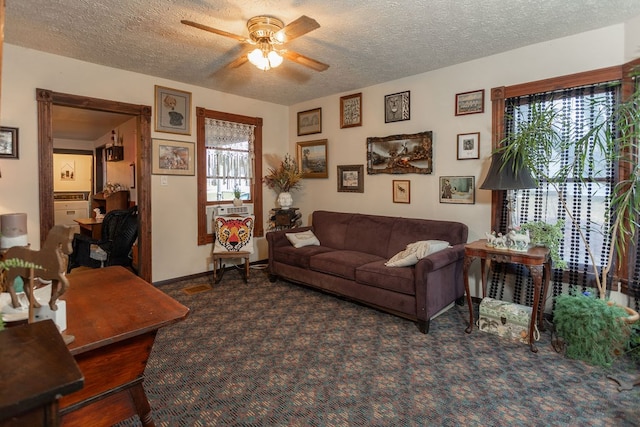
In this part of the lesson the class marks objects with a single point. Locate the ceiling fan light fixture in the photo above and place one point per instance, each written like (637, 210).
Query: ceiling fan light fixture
(274, 58)
(265, 57)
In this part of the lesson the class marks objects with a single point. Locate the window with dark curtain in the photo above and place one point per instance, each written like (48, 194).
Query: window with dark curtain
(579, 109)
(632, 281)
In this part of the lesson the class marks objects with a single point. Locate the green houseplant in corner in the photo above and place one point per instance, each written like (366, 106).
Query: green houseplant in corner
(536, 145)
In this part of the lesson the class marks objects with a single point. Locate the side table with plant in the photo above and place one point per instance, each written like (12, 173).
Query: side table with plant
(537, 144)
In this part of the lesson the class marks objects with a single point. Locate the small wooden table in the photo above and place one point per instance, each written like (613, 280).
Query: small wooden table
(90, 227)
(36, 370)
(114, 316)
(535, 259)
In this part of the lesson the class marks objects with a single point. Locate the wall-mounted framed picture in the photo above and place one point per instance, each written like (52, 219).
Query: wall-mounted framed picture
(173, 157)
(397, 107)
(351, 110)
(401, 191)
(351, 178)
(457, 189)
(310, 122)
(8, 142)
(312, 158)
(470, 102)
(396, 154)
(173, 110)
(468, 146)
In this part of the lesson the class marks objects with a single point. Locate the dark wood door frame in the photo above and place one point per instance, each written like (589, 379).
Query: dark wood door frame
(46, 99)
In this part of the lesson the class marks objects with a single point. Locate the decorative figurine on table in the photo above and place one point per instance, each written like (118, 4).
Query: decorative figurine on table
(498, 241)
(518, 240)
(491, 239)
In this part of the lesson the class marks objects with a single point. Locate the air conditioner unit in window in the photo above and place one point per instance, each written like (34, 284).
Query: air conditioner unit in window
(233, 210)
(222, 210)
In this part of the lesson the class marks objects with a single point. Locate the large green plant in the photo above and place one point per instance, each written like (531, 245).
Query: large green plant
(592, 329)
(537, 142)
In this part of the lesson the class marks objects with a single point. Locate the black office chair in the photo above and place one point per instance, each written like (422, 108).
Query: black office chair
(119, 233)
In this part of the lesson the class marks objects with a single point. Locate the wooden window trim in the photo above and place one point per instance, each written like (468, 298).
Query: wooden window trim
(623, 73)
(201, 115)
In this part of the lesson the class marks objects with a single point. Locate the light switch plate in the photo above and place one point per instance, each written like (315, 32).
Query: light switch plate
(164, 180)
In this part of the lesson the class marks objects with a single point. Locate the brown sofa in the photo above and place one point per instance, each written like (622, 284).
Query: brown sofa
(350, 261)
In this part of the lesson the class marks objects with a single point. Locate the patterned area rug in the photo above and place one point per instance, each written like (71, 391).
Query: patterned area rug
(278, 354)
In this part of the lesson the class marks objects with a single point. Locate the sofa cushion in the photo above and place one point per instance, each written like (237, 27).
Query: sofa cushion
(370, 234)
(304, 238)
(341, 263)
(408, 230)
(394, 279)
(298, 257)
(331, 227)
(415, 252)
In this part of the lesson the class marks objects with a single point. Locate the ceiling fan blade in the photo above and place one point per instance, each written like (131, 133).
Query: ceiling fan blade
(304, 60)
(295, 29)
(240, 60)
(216, 31)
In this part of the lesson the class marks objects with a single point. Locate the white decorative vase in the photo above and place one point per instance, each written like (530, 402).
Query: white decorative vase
(237, 202)
(285, 200)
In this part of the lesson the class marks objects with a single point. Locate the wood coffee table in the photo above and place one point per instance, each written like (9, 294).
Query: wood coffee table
(114, 316)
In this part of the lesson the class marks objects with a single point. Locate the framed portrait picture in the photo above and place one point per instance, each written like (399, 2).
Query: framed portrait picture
(8, 142)
(351, 110)
(398, 154)
(173, 157)
(351, 178)
(397, 107)
(468, 146)
(310, 122)
(312, 158)
(401, 191)
(457, 189)
(470, 102)
(173, 110)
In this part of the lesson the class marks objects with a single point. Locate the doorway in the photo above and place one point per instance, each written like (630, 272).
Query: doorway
(46, 100)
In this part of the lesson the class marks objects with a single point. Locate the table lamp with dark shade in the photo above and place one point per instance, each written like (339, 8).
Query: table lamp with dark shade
(503, 175)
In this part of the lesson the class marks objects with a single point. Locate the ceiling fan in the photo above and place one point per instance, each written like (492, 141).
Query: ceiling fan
(268, 34)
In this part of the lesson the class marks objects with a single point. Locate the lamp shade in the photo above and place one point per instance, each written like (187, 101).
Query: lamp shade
(503, 176)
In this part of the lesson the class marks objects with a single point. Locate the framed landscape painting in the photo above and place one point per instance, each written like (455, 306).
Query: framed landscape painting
(312, 159)
(396, 154)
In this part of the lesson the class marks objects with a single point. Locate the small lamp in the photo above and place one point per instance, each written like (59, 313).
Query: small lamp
(503, 175)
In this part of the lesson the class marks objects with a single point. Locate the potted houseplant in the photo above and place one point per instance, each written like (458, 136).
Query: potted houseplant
(283, 179)
(535, 145)
(549, 236)
(236, 196)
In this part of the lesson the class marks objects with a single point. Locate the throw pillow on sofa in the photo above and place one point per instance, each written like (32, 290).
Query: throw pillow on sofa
(304, 238)
(415, 252)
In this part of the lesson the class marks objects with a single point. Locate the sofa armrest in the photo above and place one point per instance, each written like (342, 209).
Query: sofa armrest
(439, 259)
(438, 281)
(278, 238)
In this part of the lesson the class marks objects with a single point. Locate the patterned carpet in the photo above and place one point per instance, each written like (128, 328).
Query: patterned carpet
(278, 354)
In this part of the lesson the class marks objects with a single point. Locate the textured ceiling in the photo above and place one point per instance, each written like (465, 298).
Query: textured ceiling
(364, 42)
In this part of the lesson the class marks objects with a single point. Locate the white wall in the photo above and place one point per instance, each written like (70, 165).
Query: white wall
(175, 252)
(174, 222)
(432, 109)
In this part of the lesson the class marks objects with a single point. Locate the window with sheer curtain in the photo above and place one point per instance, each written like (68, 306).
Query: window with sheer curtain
(228, 146)
(229, 159)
